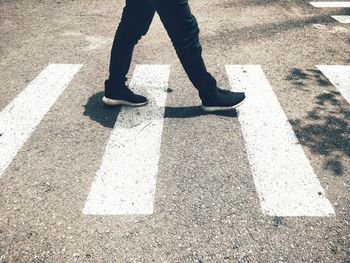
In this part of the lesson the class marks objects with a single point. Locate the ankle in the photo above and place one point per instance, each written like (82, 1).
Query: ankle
(208, 95)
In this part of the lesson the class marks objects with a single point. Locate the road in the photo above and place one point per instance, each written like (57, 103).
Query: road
(82, 182)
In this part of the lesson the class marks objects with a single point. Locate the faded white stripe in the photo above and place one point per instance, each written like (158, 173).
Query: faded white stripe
(335, 4)
(284, 178)
(126, 181)
(339, 76)
(342, 19)
(19, 119)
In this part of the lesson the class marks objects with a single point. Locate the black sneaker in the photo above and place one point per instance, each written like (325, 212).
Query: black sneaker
(222, 100)
(125, 97)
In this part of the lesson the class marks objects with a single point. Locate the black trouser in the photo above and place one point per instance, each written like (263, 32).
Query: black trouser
(182, 29)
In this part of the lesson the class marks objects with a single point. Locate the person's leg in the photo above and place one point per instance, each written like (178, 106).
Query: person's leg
(136, 19)
(183, 31)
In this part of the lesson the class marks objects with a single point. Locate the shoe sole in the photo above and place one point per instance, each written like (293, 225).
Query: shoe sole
(111, 102)
(213, 109)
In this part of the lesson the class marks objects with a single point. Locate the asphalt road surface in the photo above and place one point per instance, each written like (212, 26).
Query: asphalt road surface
(82, 182)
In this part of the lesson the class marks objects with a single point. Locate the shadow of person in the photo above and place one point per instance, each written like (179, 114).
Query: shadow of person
(99, 112)
(194, 111)
(108, 115)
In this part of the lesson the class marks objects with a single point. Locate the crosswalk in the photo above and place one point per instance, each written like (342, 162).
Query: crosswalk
(344, 19)
(332, 4)
(284, 178)
(339, 76)
(19, 119)
(125, 184)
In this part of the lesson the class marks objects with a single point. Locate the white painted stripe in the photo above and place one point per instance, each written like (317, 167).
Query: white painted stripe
(342, 19)
(284, 178)
(339, 76)
(19, 118)
(126, 181)
(335, 4)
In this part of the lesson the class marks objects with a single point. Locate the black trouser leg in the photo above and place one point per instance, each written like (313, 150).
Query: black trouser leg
(136, 19)
(183, 31)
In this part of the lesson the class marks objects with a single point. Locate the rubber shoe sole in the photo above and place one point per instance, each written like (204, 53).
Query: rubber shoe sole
(111, 102)
(216, 108)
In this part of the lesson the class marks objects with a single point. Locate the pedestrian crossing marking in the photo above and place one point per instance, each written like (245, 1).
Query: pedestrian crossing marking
(334, 4)
(342, 19)
(126, 181)
(283, 176)
(285, 180)
(21, 116)
(339, 76)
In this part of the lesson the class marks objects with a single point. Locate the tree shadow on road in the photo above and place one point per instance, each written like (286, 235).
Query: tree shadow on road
(261, 31)
(299, 77)
(326, 128)
(268, 3)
